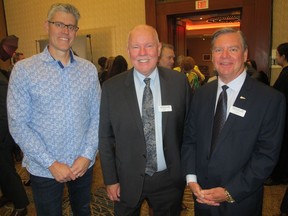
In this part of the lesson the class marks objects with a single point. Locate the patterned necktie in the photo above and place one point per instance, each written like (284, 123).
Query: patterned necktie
(149, 129)
(219, 117)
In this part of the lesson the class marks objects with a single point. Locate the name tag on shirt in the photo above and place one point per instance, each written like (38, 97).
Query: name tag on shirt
(165, 108)
(237, 111)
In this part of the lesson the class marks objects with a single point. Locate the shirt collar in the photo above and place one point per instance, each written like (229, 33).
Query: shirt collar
(140, 77)
(47, 57)
(235, 84)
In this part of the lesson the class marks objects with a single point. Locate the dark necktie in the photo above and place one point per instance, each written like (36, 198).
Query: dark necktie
(219, 117)
(149, 129)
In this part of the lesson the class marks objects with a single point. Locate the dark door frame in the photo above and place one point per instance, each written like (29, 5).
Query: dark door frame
(256, 22)
(3, 33)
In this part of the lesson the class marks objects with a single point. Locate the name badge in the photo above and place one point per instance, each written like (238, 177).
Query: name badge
(237, 111)
(165, 108)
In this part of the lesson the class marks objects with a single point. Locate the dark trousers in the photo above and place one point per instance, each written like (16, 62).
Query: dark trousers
(284, 204)
(48, 195)
(280, 172)
(10, 182)
(161, 194)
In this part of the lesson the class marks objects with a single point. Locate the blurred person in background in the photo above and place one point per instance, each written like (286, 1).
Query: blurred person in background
(101, 62)
(119, 65)
(167, 55)
(10, 182)
(108, 66)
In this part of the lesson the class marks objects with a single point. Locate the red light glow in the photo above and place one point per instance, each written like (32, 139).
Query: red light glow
(211, 26)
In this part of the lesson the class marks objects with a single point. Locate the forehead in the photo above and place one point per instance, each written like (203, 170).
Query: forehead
(167, 50)
(231, 39)
(64, 16)
(142, 36)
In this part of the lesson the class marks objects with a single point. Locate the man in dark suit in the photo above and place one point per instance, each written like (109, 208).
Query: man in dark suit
(280, 172)
(10, 181)
(123, 131)
(227, 178)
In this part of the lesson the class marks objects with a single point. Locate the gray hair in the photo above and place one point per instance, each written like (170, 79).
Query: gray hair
(146, 28)
(226, 31)
(67, 8)
(168, 46)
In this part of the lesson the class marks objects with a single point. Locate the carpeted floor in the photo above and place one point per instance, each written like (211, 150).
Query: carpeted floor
(102, 206)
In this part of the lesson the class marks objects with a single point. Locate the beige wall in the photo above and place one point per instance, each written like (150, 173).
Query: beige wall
(279, 31)
(108, 22)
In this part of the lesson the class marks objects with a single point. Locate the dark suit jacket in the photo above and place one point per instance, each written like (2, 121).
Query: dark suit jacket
(121, 138)
(247, 150)
(3, 109)
(281, 84)
(281, 170)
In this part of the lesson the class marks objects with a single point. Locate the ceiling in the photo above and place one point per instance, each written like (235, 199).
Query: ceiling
(204, 24)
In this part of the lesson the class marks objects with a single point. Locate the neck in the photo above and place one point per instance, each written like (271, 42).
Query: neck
(63, 57)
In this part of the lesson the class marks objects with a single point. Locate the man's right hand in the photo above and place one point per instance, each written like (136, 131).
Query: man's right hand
(113, 192)
(61, 172)
(197, 191)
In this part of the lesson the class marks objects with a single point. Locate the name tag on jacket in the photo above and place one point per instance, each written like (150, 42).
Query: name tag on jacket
(237, 111)
(165, 108)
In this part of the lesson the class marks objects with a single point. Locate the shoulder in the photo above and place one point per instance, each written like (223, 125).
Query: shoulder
(120, 80)
(262, 92)
(26, 67)
(84, 63)
(208, 87)
(170, 74)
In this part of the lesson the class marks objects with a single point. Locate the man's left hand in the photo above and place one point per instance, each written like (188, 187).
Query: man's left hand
(80, 166)
(215, 194)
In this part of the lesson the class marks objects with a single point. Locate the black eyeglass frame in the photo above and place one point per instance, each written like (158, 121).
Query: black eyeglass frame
(62, 26)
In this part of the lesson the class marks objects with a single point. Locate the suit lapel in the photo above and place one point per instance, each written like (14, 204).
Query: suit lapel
(164, 96)
(209, 112)
(132, 101)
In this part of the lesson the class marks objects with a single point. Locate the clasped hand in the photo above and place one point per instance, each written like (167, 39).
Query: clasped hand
(113, 192)
(63, 173)
(213, 196)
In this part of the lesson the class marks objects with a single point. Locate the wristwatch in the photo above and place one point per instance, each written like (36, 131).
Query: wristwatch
(229, 198)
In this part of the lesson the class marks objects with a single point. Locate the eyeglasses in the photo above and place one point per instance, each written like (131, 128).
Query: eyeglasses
(61, 25)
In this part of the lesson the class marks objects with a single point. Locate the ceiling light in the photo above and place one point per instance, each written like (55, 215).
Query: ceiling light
(224, 19)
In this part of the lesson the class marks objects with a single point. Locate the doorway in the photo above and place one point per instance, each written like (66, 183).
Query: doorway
(256, 22)
(199, 27)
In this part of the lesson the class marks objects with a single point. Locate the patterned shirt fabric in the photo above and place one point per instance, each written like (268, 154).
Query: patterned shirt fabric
(53, 111)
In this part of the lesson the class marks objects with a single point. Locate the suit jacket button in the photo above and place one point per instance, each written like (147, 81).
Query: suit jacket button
(144, 156)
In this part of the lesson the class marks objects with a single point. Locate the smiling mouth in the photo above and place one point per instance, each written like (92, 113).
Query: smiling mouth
(143, 60)
(225, 63)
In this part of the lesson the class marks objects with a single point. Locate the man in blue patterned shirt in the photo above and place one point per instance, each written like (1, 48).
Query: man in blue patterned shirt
(53, 108)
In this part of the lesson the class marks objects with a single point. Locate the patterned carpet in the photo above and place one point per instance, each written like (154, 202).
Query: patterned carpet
(100, 204)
